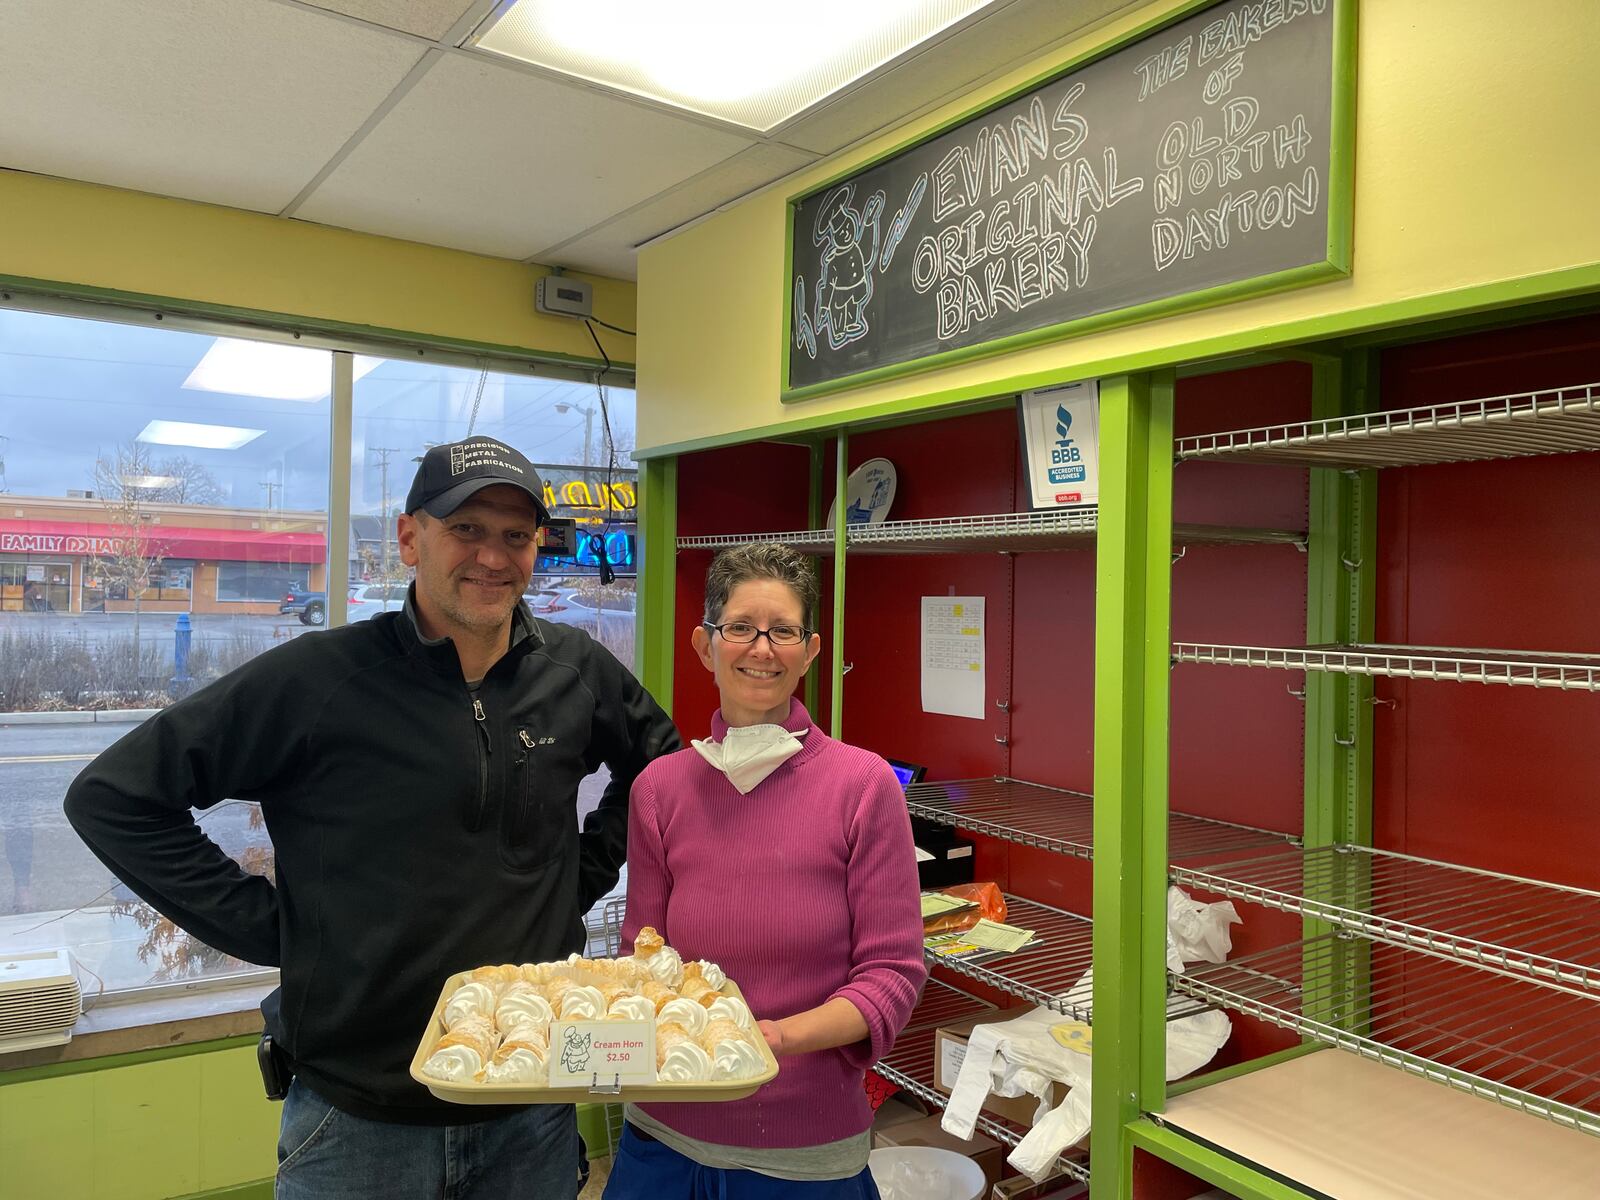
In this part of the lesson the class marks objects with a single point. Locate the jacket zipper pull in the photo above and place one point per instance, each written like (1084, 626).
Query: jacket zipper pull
(482, 718)
(477, 710)
(526, 740)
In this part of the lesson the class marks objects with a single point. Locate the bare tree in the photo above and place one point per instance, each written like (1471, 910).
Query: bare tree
(187, 482)
(128, 556)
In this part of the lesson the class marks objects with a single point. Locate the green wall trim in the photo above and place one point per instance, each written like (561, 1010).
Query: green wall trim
(1443, 313)
(1195, 1082)
(1212, 1165)
(1341, 217)
(260, 1189)
(658, 537)
(83, 1066)
(14, 287)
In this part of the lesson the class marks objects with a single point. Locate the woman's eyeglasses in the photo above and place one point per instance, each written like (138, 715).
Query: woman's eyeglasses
(741, 633)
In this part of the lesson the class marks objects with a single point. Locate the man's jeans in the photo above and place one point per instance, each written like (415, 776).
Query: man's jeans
(327, 1154)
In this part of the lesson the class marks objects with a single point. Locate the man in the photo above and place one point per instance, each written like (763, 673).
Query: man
(418, 775)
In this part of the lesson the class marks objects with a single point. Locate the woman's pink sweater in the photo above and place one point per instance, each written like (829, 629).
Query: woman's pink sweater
(801, 891)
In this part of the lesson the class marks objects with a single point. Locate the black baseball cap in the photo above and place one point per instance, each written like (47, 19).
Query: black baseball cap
(454, 471)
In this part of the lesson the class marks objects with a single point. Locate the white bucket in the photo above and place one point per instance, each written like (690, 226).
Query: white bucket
(925, 1173)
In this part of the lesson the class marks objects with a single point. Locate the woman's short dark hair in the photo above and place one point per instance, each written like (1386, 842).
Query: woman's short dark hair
(761, 560)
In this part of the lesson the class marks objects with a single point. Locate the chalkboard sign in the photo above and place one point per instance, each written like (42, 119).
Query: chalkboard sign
(1202, 162)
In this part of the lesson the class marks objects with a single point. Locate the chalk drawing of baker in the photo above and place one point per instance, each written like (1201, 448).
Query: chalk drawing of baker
(844, 277)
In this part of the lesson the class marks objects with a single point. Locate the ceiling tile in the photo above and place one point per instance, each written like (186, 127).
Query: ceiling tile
(1008, 36)
(613, 242)
(238, 104)
(500, 161)
(431, 19)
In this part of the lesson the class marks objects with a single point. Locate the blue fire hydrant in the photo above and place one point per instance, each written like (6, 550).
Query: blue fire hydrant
(181, 636)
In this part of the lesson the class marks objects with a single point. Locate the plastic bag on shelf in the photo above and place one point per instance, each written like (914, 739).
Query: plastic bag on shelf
(991, 905)
(911, 1181)
(1198, 932)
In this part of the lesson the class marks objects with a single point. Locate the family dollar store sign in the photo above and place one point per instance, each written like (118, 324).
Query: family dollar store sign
(1204, 161)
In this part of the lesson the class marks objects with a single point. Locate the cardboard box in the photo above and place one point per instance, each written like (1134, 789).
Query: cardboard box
(1060, 1186)
(986, 1152)
(950, 1049)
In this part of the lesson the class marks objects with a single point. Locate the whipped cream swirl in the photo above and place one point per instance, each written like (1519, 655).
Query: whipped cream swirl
(687, 1062)
(582, 1003)
(688, 1013)
(735, 1058)
(731, 1008)
(454, 1064)
(468, 1000)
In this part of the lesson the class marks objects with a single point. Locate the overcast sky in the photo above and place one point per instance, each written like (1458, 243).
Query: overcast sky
(72, 389)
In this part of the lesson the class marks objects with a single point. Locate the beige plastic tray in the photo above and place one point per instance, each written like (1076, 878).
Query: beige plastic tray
(510, 1093)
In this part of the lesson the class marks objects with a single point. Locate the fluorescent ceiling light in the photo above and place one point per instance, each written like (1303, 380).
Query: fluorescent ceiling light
(751, 62)
(268, 370)
(204, 437)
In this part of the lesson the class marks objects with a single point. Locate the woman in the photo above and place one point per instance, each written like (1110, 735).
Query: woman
(785, 857)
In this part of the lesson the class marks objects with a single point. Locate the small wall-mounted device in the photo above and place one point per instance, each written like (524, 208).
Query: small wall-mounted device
(558, 537)
(563, 296)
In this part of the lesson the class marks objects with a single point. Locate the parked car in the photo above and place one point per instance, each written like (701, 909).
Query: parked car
(310, 607)
(546, 601)
(368, 600)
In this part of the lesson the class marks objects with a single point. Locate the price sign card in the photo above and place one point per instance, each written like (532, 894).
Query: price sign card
(602, 1053)
(936, 904)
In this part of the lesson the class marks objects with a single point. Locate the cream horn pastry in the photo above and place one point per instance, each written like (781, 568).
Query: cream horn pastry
(556, 988)
(505, 973)
(734, 1058)
(683, 1012)
(699, 991)
(470, 999)
(668, 1036)
(686, 1062)
(657, 993)
(731, 1008)
(647, 942)
(664, 966)
(612, 992)
(464, 1051)
(722, 1031)
(631, 1008)
(582, 1003)
(520, 1063)
(522, 1004)
(711, 973)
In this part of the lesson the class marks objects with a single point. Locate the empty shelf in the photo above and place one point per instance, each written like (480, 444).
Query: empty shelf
(1560, 421)
(1062, 821)
(1347, 1129)
(1064, 529)
(1513, 668)
(1528, 1046)
(1519, 926)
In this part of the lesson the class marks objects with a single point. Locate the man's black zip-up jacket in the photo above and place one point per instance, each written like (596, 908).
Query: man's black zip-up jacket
(419, 828)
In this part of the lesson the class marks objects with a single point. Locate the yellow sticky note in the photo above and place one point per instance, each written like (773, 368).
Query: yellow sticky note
(956, 609)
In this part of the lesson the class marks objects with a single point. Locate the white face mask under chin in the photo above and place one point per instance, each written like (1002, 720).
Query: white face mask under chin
(747, 754)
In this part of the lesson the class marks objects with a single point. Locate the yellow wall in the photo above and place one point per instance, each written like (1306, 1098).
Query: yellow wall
(87, 237)
(1475, 164)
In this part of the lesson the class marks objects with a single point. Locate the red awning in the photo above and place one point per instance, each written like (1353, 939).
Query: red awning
(86, 539)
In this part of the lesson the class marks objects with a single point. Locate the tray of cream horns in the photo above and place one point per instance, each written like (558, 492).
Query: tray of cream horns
(648, 1027)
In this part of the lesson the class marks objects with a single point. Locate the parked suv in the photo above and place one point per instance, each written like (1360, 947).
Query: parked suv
(310, 607)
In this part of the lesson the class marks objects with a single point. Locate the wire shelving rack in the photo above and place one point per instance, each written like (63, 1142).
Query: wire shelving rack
(1555, 421)
(1046, 974)
(1062, 821)
(1526, 1045)
(1512, 668)
(1063, 529)
(1544, 931)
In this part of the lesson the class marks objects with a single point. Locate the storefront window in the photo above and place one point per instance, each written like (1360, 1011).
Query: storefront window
(258, 582)
(140, 479)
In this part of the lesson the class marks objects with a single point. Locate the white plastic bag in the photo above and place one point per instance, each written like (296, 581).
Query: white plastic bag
(1198, 932)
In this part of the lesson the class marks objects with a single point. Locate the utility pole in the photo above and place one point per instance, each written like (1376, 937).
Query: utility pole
(270, 488)
(383, 453)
